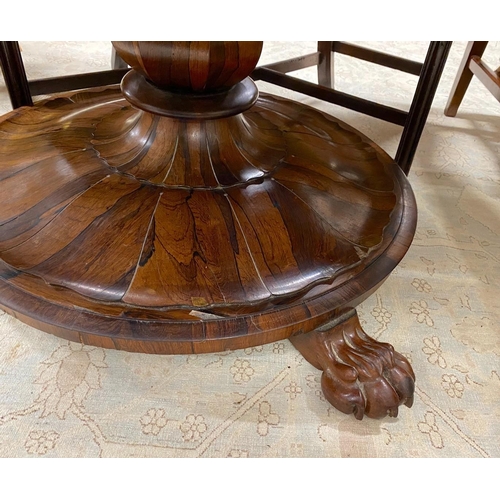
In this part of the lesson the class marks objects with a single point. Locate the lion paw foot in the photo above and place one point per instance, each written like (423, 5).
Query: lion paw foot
(360, 375)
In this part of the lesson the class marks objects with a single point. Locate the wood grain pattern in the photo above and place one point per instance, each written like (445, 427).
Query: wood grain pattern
(413, 121)
(168, 221)
(145, 219)
(195, 66)
(360, 375)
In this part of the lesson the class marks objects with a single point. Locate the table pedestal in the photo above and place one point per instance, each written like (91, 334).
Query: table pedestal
(172, 222)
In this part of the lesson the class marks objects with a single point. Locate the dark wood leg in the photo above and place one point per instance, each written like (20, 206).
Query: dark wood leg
(421, 104)
(14, 74)
(360, 375)
(463, 78)
(325, 66)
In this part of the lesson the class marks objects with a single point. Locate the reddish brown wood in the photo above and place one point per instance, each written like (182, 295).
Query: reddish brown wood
(131, 230)
(488, 77)
(463, 78)
(190, 80)
(148, 97)
(360, 375)
(195, 66)
(413, 121)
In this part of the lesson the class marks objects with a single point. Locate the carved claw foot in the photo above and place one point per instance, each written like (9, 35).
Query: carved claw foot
(360, 375)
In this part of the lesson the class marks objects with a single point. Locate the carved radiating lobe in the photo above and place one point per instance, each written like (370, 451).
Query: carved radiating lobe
(188, 215)
(226, 215)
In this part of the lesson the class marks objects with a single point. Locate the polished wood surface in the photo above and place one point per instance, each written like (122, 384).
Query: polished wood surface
(206, 106)
(360, 375)
(489, 78)
(412, 121)
(197, 66)
(227, 216)
(133, 230)
(474, 50)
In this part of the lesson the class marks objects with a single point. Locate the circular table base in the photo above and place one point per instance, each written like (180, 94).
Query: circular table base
(134, 231)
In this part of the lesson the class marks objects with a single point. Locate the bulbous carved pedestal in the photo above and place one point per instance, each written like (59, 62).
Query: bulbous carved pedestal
(185, 214)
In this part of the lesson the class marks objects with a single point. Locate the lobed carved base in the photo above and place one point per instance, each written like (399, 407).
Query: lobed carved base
(208, 219)
(360, 375)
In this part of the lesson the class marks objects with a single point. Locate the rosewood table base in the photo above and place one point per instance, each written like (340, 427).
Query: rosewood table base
(125, 226)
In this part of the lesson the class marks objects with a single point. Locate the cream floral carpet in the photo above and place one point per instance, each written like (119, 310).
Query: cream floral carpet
(441, 308)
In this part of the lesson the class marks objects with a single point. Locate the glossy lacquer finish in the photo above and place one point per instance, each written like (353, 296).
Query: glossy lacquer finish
(196, 66)
(133, 230)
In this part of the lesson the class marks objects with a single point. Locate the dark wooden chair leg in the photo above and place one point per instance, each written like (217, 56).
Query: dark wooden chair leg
(463, 78)
(325, 66)
(14, 74)
(21, 89)
(413, 121)
(421, 104)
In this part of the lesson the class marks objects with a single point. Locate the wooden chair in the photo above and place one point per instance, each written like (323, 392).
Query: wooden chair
(472, 64)
(21, 89)
(412, 122)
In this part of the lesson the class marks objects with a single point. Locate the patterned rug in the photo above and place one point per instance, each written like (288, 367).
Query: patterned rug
(440, 308)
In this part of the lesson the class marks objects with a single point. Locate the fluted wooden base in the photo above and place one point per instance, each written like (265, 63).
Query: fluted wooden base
(130, 230)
